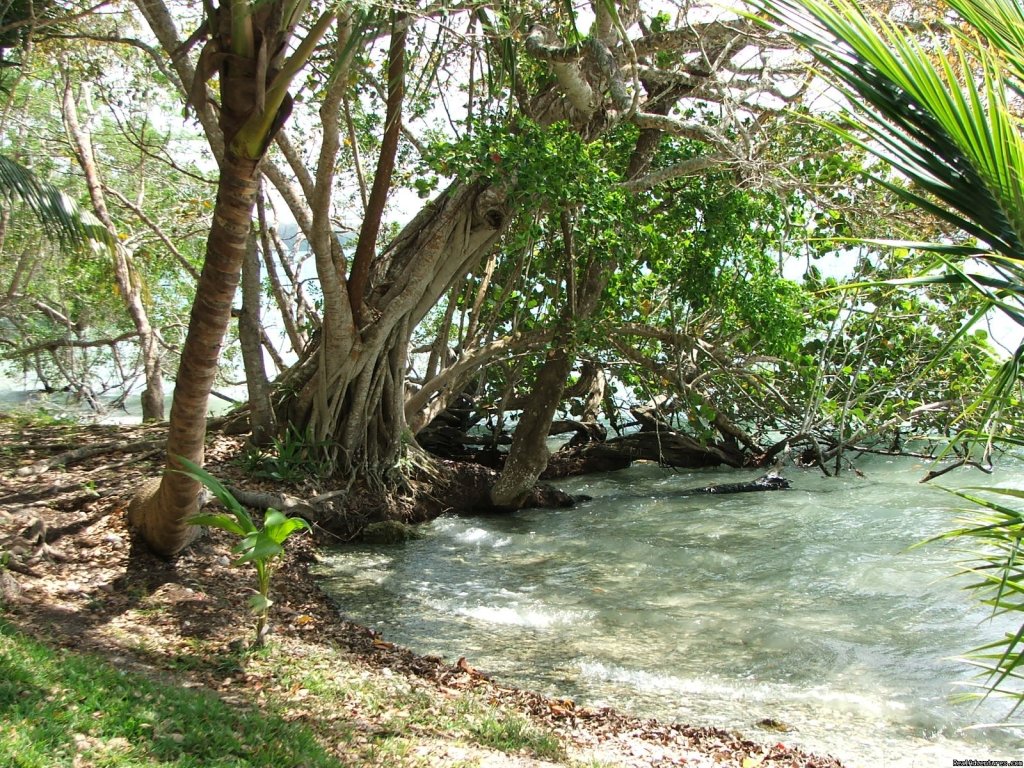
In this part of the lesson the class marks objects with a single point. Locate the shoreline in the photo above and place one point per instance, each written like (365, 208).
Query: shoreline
(95, 592)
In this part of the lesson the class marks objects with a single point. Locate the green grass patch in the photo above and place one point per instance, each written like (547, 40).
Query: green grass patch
(56, 706)
(400, 707)
(60, 708)
(513, 733)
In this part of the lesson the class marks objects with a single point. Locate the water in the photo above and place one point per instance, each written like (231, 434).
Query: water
(804, 606)
(23, 396)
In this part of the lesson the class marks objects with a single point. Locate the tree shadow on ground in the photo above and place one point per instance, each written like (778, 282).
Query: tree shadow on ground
(56, 702)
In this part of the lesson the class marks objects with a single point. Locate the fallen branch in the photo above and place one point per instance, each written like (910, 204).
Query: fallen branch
(19, 552)
(87, 452)
(282, 502)
(125, 462)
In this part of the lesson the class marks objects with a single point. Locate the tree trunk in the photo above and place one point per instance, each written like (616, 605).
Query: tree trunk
(254, 104)
(160, 512)
(529, 453)
(591, 389)
(366, 247)
(352, 395)
(127, 283)
(250, 336)
(287, 307)
(528, 456)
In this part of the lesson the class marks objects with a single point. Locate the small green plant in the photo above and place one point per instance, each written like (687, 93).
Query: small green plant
(293, 457)
(259, 546)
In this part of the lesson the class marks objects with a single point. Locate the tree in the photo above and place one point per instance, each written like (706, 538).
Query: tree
(349, 390)
(129, 286)
(56, 212)
(562, 134)
(249, 48)
(71, 347)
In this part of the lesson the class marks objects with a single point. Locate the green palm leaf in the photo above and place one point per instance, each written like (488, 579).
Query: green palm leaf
(954, 141)
(1000, 23)
(57, 213)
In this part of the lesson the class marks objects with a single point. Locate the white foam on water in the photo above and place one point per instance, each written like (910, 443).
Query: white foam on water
(871, 729)
(473, 535)
(521, 616)
(744, 691)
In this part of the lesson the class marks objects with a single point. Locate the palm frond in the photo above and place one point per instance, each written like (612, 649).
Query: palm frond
(57, 213)
(1000, 24)
(996, 573)
(957, 142)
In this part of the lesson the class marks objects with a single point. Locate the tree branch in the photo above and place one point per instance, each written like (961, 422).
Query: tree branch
(54, 344)
(155, 228)
(367, 245)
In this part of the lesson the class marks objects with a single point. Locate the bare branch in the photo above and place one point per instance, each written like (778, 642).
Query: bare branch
(156, 229)
(692, 167)
(955, 465)
(54, 344)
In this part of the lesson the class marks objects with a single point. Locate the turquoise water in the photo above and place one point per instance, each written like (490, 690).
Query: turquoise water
(807, 606)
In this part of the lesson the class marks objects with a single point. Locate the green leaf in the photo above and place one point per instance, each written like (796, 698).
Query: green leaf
(260, 547)
(222, 494)
(279, 527)
(260, 603)
(56, 212)
(214, 520)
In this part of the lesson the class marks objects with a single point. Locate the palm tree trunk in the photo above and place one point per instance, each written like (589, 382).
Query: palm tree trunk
(160, 513)
(255, 62)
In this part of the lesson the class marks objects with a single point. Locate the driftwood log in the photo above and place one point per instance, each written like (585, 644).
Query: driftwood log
(770, 481)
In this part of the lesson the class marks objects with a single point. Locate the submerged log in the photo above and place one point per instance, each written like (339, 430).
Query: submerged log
(671, 449)
(770, 481)
(572, 461)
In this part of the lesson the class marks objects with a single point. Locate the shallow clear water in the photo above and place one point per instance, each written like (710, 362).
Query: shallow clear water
(804, 606)
(23, 395)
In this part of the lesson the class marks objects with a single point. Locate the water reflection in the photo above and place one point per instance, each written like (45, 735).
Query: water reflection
(805, 606)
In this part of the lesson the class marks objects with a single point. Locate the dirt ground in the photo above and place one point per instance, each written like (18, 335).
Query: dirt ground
(75, 578)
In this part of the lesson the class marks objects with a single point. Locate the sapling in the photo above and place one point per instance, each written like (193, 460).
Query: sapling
(259, 546)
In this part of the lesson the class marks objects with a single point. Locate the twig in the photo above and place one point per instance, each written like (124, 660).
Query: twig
(956, 464)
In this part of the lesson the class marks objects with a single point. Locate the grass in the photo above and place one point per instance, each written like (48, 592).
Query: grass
(398, 707)
(515, 734)
(62, 708)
